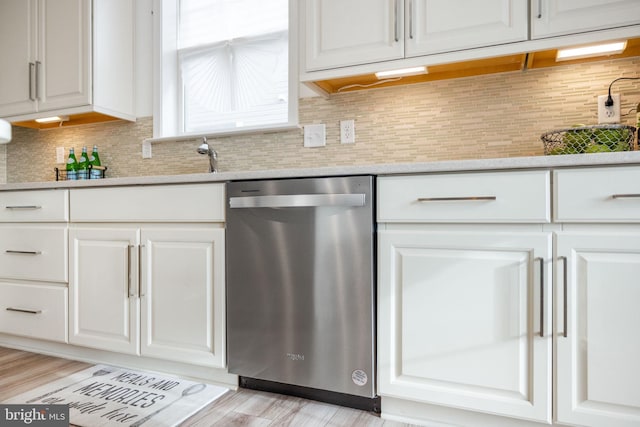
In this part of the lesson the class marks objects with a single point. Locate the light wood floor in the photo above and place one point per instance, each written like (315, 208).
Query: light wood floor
(21, 371)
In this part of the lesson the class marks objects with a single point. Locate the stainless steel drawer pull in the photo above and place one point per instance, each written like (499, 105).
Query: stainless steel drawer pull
(11, 251)
(625, 196)
(130, 293)
(455, 199)
(32, 67)
(38, 66)
(396, 25)
(24, 207)
(564, 292)
(298, 201)
(541, 295)
(411, 19)
(24, 310)
(539, 9)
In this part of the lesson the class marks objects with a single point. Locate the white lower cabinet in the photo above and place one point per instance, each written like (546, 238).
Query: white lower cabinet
(183, 296)
(103, 289)
(461, 305)
(34, 310)
(34, 263)
(464, 319)
(150, 291)
(598, 359)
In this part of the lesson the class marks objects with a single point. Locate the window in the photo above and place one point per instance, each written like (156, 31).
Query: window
(224, 66)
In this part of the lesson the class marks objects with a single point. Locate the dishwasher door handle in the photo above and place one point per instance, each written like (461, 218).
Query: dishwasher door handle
(298, 201)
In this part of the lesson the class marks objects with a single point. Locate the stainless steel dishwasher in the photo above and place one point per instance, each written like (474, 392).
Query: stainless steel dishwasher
(301, 287)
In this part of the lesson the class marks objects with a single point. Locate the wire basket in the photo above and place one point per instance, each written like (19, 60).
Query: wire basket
(94, 172)
(589, 139)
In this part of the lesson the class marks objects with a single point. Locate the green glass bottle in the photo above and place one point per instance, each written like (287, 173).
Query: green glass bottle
(94, 160)
(72, 166)
(83, 164)
(638, 126)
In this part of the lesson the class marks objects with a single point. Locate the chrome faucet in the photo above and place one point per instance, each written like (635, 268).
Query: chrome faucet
(213, 155)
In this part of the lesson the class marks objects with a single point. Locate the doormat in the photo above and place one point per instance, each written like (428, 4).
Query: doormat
(110, 396)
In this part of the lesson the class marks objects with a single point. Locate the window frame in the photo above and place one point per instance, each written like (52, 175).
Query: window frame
(167, 107)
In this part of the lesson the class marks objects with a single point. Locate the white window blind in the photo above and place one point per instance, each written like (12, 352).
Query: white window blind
(232, 65)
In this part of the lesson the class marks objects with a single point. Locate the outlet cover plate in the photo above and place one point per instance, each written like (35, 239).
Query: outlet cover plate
(146, 150)
(347, 132)
(609, 114)
(315, 136)
(60, 155)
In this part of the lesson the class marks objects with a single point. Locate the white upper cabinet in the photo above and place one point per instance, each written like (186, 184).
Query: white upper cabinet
(48, 54)
(17, 48)
(341, 33)
(66, 57)
(435, 26)
(338, 34)
(63, 61)
(559, 17)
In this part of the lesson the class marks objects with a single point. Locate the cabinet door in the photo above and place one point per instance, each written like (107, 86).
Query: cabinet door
(339, 33)
(182, 299)
(18, 51)
(64, 55)
(557, 17)
(435, 26)
(597, 368)
(103, 289)
(460, 320)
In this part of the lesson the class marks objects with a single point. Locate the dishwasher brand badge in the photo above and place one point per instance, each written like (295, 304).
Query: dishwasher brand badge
(359, 377)
(295, 356)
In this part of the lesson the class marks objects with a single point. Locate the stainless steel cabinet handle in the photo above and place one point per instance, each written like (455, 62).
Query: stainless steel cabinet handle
(396, 25)
(24, 310)
(455, 199)
(625, 196)
(140, 294)
(31, 83)
(38, 65)
(564, 292)
(129, 248)
(23, 207)
(539, 9)
(541, 295)
(11, 251)
(411, 19)
(298, 201)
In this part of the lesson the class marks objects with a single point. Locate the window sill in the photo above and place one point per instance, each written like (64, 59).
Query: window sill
(213, 135)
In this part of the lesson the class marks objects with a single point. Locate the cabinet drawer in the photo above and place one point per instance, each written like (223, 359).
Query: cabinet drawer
(467, 197)
(33, 252)
(34, 206)
(37, 311)
(597, 195)
(166, 203)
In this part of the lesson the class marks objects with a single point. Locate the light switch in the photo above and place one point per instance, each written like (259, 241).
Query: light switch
(146, 150)
(314, 136)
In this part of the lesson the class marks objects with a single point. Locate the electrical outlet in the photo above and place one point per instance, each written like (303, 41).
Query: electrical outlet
(609, 114)
(60, 155)
(347, 131)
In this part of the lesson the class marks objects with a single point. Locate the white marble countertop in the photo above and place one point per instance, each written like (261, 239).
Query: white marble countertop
(536, 162)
